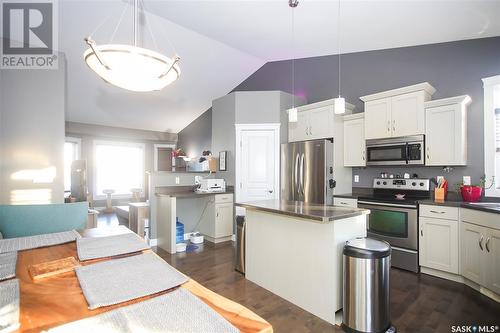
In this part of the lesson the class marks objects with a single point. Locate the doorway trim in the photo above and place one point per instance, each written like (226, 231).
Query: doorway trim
(275, 127)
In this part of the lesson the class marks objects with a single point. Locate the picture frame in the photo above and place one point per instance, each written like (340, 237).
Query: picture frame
(223, 160)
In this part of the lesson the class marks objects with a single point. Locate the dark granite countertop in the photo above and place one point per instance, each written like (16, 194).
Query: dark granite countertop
(310, 211)
(453, 199)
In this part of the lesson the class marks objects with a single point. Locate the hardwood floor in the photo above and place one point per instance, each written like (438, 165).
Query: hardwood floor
(419, 302)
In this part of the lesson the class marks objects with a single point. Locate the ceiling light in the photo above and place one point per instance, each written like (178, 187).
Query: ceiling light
(339, 102)
(292, 113)
(131, 67)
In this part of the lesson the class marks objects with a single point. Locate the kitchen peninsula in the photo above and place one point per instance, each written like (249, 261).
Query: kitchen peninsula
(294, 249)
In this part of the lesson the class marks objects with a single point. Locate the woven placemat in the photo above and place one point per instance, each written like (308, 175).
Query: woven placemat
(116, 281)
(102, 247)
(176, 312)
(8, 263)
(33, 242)
(9, 305)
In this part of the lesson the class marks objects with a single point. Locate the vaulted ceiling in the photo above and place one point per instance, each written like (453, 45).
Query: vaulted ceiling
(222, 42)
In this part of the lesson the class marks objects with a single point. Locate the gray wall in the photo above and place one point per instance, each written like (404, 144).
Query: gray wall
(32, 104)
(454, 68)
(88, 133)
(197, 136)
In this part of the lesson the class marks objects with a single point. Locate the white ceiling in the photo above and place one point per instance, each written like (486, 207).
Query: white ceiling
(222, 42)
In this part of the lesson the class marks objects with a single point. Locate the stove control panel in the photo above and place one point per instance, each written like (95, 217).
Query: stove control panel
(403, 184)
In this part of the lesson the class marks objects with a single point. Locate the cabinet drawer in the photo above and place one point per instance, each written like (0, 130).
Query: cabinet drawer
(347, 202)
(221, 198)
(442, 212)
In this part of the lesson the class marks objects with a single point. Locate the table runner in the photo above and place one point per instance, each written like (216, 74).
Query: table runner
(9, 305)
(102, 247)
(8, 262)
(116, 281)
(33, 242)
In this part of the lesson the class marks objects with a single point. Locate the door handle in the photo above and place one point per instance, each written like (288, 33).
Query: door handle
(302, 174)
(296, 172)
(481, 242)
(487, 244)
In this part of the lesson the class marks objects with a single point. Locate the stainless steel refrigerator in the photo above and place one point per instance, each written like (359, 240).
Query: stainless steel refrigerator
(307, 171)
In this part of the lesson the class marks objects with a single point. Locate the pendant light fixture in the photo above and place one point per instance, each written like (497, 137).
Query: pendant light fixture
(131, 67)
(339, 102)
(292, 113)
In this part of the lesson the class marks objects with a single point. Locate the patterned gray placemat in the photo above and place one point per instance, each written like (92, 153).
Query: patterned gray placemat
(9, 305)
(8, 263)
(175, 312)
(33, 242)
(115, 281)
(101, 247)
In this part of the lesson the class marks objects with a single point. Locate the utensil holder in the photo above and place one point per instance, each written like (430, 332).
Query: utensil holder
(439, 194)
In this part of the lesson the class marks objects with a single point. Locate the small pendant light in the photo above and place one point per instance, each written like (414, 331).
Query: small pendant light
(339, 102)
(292, 113)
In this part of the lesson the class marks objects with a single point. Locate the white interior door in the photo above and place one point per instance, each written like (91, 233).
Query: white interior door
(257, 159)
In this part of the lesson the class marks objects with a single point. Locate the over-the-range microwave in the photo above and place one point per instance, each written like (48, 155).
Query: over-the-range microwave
(408, 150)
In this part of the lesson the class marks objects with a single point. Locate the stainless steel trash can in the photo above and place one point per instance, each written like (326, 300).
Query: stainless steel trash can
(366, 303)
(240, 244)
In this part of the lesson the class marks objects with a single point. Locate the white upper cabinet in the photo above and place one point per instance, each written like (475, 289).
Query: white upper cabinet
(314, 121)
(397, 112)
(446, 131)
(354, 140)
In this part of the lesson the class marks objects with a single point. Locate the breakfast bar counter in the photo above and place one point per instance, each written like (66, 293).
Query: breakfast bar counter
(294, 249)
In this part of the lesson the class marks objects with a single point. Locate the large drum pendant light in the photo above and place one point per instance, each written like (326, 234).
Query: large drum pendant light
(131, 67)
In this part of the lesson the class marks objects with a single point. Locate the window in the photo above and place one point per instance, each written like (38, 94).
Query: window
(492, 134)
(119, 166)
(71, 153)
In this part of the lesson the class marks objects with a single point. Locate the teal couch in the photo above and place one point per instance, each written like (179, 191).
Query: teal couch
(28, 220)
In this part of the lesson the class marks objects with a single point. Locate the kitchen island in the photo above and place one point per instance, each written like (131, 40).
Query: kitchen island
(294, 249)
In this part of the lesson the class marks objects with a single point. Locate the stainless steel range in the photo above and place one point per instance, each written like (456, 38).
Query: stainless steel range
(394, 216)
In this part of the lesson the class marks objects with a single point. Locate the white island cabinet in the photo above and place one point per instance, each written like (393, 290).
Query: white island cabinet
(294, 250)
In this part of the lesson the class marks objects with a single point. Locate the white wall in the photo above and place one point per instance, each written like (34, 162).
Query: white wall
(32, 104)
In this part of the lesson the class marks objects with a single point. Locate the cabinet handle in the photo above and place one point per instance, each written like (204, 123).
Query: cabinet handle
(428, 155)
(388, 126)
(436, 212)
(343, 203)
(481, 242)
(422, 232)
(364, 152)
(394, 125)
(487, 244)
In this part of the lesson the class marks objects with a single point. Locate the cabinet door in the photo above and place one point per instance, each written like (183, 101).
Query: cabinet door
(321, 123)
(354, 143)
(299, 131)
(444, 137)
(492, 269)
(438, 247)
(408, 114)
(471, 235)
(378, 119)
(223, 220)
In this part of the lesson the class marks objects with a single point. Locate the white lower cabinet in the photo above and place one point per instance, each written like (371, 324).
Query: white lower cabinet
(217, 221)
(471, 251)
(346, 202)
(438, 247)
(223, 220)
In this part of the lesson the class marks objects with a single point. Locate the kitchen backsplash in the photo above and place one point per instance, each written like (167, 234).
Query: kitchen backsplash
(367, 174)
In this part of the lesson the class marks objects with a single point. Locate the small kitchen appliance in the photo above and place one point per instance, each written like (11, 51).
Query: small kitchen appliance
(394, 216)
(212, 186)
(396, 151)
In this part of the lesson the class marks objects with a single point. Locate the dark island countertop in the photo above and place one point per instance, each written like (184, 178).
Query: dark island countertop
(453, 199)
(310, 211)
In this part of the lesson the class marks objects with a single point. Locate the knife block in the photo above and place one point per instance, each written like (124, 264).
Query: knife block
(439, 194)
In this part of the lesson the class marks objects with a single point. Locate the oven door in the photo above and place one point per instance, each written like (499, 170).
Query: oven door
(387, 154)
(394, 223)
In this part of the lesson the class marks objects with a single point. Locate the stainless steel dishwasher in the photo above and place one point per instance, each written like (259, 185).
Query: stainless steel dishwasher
(240, 244)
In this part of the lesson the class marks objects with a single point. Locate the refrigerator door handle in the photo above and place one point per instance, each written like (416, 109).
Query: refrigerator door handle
(296, 178)
(302, 173)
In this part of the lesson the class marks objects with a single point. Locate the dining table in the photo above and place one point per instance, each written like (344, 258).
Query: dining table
(58, 299)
